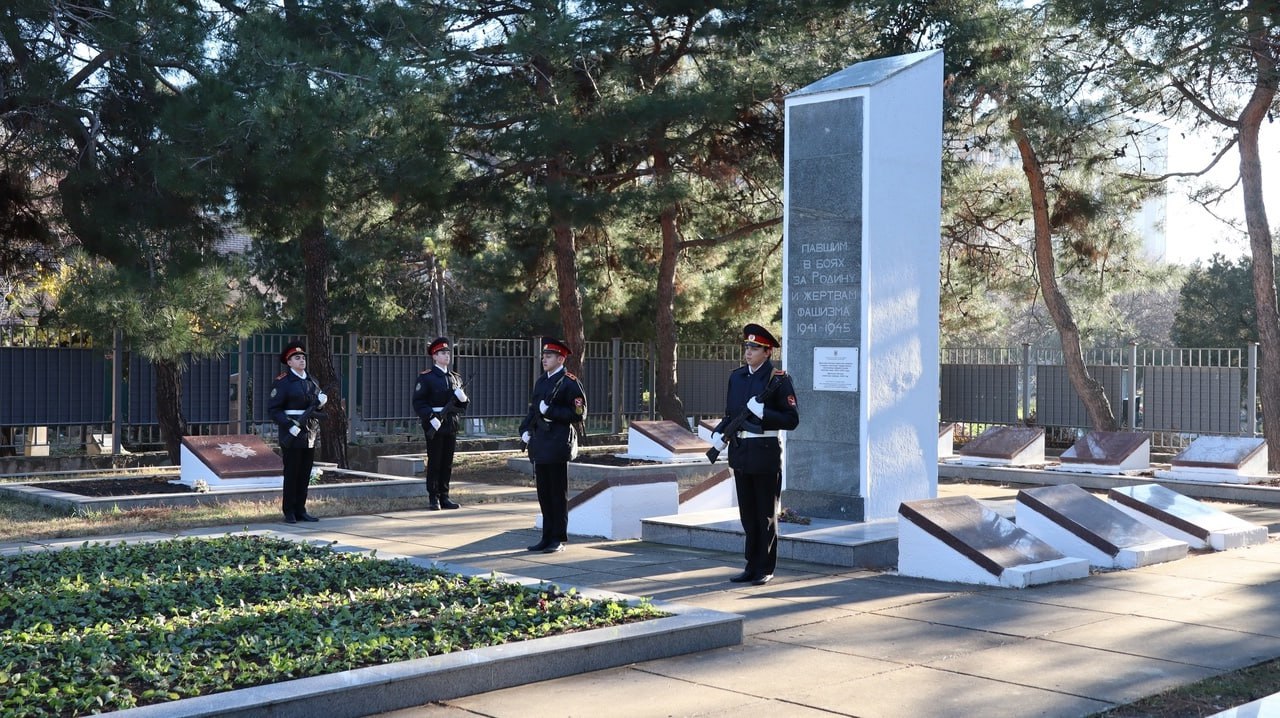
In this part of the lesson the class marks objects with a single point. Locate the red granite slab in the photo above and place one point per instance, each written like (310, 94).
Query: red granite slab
(1104, 447)
(1002, 442)
(671, 436)
(978, 533)
(235, 456)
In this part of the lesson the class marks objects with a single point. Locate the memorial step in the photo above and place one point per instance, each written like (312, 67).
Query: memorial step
(1004, 446)
(1185, 519)
(1220, 459)
(1107, 452)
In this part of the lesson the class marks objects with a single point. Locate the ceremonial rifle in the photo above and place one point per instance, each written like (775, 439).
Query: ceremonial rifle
(735, 425)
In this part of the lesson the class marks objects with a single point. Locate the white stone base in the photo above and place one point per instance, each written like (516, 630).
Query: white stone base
(1204, 475)
(722, 495)
(615, 513)
(922, 555)
(192, 469)
(1225, 531)
(1070, 544)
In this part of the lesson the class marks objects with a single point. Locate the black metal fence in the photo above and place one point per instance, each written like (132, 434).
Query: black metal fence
(64, 396)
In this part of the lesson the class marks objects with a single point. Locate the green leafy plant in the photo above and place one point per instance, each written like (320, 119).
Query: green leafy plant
(108, 627)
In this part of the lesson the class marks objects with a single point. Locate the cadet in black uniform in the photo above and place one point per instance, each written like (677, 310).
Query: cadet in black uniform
(295, 399)
(438, 397)
(756, 458)
(556, 413)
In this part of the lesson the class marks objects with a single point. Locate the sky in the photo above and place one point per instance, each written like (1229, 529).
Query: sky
(1191, 233)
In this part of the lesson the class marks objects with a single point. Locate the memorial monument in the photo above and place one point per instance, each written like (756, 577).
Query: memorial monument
(862, 197)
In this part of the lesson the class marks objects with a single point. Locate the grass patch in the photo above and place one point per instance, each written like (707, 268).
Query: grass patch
(1206, 697)
(108, 627)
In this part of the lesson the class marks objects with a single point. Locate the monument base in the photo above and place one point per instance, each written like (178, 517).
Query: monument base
(825, 505)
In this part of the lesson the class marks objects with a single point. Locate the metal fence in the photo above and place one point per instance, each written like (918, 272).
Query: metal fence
(65, 394)
(1173, 394)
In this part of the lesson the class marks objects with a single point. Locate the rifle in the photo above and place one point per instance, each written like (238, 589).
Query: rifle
(735, 425)
(301, 421)
(450, 407)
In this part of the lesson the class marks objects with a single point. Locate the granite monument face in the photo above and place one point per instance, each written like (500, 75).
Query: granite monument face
(860, 302)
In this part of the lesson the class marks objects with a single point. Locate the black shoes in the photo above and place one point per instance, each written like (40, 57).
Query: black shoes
(447, 504)
(752, 578)
(307, 517)
(762, 580)
(289, 519)
(434, 505)
(743, 577)
(540, 546)
(554, 547)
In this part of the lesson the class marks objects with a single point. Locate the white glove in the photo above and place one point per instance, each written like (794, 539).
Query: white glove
(462, 395)
(542, 406)
(435, 423)
(717, 440)
(525, 437)
(754, 405)
(295, 430)
(322, 398)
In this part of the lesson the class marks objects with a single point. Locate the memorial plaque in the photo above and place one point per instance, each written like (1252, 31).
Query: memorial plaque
(978, 533)
(235, 456)
(1220, 452)
(1104, 447)
(1003, 442)
(1186, 519)
(1088, 517)
(670, 436)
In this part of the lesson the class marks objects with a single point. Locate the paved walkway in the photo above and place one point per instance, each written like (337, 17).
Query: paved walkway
(824, 641)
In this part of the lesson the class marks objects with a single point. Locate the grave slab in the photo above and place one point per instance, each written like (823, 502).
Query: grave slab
(958, 539)
(1185, 519)
(1004, 446)
(1220, 459)
(614, 507)
(714, 492)
(230, 461)
(1107, 452)
(946, 441)
(664, 441)
(1078, 523)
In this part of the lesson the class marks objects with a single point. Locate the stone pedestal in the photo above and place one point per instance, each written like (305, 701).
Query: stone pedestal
(860, 302)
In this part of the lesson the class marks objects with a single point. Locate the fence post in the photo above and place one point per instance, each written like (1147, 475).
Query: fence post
(1133, 385)
(653, 381)
(117, 390)
(353, 409)
(1253, 389)
(615, 386)
(1026, 382)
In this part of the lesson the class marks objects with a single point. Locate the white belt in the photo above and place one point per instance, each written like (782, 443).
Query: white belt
(294, 412)
(762, 435)
(437, 409)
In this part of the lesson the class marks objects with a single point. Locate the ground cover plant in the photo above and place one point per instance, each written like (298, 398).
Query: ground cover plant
(111, 626)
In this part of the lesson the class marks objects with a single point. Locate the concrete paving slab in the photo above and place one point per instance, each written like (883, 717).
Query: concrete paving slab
(899, 640)
(1077, 670)
(1230, 567)
(998, 615)
(1173, 641)
(923, 691)
(764, 615)
(1160, 584)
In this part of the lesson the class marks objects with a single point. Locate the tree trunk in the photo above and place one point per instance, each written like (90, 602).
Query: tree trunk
(1260, 246)
(669, 405)
(320, 363)
(169, 407)
(1089, 390)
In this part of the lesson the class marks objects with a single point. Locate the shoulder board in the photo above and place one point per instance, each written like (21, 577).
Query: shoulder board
(281, 375)
(425, 371)
(570, 376)
(779, 372)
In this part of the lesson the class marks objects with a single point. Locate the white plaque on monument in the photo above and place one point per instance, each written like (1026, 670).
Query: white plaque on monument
(835, 368)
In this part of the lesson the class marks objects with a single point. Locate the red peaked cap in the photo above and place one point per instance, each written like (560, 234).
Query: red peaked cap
(555, 346)
(438, 344)
(758, 335)
(290, 349)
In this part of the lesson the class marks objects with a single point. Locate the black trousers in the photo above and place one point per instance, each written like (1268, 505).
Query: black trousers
(553, 499)
(440, 450)
(759, 496)
(297, 477)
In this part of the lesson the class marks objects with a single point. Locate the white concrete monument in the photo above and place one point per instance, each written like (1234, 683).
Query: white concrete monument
(860, 300)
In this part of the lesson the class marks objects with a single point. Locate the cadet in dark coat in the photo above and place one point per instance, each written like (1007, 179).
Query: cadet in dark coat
(756, 457)
(556, 412)
(293, 394)
(438, 398)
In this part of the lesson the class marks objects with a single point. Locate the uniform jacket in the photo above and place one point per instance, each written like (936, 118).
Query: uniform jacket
(291, 392)
(553, 437)
(433, 391)
(759, 455)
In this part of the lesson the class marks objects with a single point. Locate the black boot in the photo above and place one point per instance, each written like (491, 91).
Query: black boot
(445, 503)
(433, 503)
